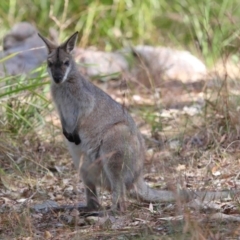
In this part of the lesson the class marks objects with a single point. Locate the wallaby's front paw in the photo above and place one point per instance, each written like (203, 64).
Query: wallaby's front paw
(68, 136)
(76, 139)
(72, 137)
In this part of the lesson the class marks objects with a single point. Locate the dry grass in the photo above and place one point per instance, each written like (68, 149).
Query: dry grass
(192, 141)
(191, 130)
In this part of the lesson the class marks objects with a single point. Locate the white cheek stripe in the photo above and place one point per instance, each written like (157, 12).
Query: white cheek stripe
(66, 74)
(50, 73)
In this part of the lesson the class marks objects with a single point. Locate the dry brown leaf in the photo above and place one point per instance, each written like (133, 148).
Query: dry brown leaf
(181, 167)
(150, 208)
(47, 235)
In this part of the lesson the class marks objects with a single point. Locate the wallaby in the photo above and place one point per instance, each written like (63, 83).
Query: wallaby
(101, 132)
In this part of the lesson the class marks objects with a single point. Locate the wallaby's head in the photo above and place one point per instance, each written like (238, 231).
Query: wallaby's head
(60, 60)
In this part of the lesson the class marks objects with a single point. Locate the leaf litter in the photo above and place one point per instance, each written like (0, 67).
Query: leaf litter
(180, 153)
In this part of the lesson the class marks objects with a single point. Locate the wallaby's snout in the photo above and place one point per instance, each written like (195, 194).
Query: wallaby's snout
(57, 78)
(58, 71)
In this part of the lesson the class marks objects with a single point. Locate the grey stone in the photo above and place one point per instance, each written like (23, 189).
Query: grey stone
(158, 63)
(30, 51)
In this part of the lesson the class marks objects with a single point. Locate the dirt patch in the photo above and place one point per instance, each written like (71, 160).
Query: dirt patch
(188, 146)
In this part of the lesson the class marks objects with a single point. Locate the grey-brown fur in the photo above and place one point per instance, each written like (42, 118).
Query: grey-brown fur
(101, 132)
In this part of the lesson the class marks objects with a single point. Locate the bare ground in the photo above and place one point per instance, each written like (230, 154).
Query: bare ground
(191, 133)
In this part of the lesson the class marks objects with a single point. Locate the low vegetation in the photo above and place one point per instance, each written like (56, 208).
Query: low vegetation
(193, 143)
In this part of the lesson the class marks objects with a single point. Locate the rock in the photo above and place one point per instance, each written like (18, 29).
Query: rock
(140, 63)
(158, 63)
(31, 52)
(101, 65)
(18, 34)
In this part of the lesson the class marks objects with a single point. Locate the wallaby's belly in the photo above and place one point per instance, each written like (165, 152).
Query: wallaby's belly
(86, 161)
(97, 149)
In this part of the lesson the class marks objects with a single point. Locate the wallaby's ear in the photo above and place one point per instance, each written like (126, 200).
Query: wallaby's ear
(70, 43)
(50, 45)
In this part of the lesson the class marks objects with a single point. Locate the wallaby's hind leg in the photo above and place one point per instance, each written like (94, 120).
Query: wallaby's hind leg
(113, 169)
(90, 176)
(89, 172)
(119, 159)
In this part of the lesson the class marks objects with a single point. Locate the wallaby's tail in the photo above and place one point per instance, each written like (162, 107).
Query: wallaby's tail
(145, 193)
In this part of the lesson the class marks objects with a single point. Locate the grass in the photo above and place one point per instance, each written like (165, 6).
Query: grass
(209, 28)
(31, 145)
(23, 100)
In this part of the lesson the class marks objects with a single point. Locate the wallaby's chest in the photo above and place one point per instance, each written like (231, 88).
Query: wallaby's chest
(67, 106)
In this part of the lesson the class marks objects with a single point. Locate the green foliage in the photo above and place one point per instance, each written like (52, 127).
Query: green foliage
(23, 101)
(208, 28)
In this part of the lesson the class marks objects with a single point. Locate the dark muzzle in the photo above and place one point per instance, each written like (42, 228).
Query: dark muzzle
(57, 78)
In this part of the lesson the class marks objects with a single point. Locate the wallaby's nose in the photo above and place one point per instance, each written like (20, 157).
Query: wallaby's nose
(57, 78)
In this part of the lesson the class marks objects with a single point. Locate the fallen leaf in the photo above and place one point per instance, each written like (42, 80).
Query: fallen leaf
(47, 234)
(180, 167)
(150, 208)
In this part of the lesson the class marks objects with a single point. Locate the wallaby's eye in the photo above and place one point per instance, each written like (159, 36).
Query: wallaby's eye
(66, 63)
(49, 64)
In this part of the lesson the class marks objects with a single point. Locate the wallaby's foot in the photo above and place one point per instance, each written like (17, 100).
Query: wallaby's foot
(102, 212)
(118, 209)
(85, 211)
(98, 210)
